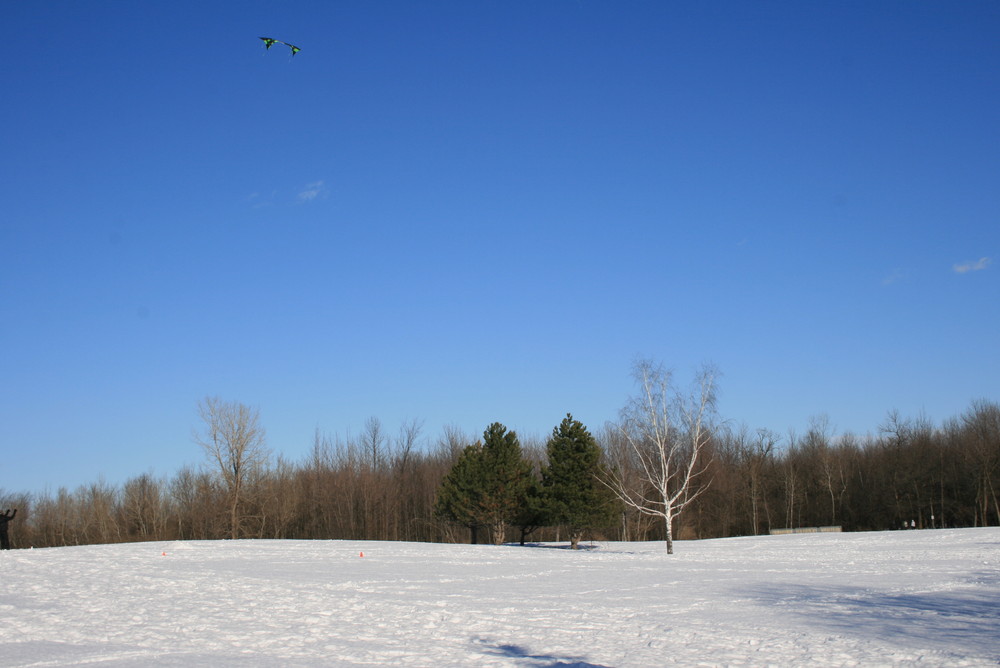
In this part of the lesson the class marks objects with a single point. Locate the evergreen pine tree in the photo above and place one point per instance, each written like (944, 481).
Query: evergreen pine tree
(574, 496)
(506, 479)
(459, 498)
(532, 512)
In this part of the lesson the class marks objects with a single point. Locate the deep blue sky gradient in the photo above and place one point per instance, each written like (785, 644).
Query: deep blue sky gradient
(466, 212)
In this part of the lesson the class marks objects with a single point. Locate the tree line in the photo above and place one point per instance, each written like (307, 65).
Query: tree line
(669, 467)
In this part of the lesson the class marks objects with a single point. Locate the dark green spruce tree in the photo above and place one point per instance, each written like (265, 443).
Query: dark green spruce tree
(574, 496)
(459, 498)
(532, 513)
(507, 478)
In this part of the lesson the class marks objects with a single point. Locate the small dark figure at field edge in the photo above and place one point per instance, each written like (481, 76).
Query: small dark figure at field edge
(5, 517)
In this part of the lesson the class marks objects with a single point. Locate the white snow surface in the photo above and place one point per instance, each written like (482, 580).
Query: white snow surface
(871, 599)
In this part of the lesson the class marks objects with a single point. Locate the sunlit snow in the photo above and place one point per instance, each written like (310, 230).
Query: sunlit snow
(896, 598)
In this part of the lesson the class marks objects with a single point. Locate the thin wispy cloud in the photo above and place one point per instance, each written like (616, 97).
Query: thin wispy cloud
(313, 191)
(973, 265)
(896, 275)
(257, 200)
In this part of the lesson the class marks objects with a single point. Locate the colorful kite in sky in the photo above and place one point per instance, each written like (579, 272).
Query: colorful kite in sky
(269, 42)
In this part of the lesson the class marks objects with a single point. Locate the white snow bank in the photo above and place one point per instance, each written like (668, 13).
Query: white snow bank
(899, 598)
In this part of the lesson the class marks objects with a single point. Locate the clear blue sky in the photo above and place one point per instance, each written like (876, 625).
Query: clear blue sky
(465, 212)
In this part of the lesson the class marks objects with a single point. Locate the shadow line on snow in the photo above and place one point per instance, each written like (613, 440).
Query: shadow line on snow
(512, 651)
(953, 621)
(560, 546)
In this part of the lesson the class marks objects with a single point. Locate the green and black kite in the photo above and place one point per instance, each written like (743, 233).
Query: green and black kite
(269, 42)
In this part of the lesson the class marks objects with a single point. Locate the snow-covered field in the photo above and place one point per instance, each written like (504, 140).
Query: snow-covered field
(899, 598)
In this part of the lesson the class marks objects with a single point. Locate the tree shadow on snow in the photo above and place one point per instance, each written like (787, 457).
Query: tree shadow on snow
(511, 651)
(562, 546)
(964, 620)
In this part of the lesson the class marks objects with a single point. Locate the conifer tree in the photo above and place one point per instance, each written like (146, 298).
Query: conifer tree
(506, 480)
(532, 512)
(459, 498)
(574, 496)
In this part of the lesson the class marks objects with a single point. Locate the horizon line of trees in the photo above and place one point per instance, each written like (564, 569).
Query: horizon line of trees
(734, 481)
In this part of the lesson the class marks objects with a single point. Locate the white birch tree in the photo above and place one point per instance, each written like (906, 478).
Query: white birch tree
(667, 433)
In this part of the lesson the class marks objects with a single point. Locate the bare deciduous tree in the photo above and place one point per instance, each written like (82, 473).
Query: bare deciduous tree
(757, 456)
(142, 506)
(982, 427)
(233, 440)
(667, 433)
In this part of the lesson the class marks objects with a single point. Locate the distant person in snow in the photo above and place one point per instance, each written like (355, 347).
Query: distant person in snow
(5, 517)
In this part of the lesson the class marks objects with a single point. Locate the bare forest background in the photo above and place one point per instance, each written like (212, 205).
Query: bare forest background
(383, 483)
